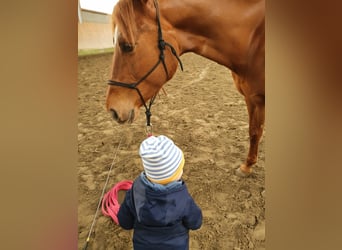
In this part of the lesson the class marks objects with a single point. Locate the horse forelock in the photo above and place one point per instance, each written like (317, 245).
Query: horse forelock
(124, 19)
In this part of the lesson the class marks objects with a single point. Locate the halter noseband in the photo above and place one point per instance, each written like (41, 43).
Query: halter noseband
(162, 46)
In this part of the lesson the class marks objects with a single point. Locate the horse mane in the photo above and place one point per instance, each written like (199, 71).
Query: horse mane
(124, 18)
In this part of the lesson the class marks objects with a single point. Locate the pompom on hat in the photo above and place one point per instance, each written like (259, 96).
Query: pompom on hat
(163, 161)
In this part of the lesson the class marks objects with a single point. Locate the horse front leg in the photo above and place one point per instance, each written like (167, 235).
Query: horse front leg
(256, 112)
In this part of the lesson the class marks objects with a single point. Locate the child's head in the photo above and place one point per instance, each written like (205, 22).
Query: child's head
(163, 161)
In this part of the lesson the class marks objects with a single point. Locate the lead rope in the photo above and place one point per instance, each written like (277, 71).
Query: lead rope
(100, 200)
(148, 117)
(110, 201)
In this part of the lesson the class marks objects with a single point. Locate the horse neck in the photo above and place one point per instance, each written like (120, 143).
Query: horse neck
(218, 30)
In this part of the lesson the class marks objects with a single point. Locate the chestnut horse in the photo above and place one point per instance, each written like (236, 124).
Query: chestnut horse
(150, 35)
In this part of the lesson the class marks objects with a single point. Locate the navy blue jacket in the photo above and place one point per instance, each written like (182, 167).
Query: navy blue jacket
(161, 218)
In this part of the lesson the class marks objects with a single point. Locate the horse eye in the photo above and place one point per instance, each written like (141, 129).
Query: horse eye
(126, 47)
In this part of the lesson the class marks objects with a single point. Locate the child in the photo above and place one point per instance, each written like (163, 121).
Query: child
(158, 206)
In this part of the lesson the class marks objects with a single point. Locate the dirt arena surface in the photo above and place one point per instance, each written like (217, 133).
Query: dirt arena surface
(207, 118)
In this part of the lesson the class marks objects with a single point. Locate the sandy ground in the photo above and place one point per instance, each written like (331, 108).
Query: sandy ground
(207, 118)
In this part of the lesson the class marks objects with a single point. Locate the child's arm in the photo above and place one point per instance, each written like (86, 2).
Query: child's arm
(125, 216)
(193, 217)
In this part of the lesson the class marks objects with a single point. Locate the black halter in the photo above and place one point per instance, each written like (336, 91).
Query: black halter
(161, 45)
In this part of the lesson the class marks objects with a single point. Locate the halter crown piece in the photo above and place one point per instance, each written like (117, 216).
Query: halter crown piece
(161, 46)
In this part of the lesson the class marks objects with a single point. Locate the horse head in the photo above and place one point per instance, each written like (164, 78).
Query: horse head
(145, 57)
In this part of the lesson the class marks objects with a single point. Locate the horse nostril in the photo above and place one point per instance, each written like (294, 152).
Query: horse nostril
(114, 114)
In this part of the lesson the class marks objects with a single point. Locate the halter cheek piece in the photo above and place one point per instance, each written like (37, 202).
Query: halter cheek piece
(162, 46)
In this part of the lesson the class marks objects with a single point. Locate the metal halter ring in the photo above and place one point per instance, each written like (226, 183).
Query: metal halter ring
(149, 130)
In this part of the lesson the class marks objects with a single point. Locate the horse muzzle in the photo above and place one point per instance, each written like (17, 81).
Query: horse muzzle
(123, 118)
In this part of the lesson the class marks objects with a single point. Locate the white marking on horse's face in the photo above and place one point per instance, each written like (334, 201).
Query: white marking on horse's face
(116, 35)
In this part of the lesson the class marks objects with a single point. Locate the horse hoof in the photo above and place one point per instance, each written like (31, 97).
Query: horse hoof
(241, 173)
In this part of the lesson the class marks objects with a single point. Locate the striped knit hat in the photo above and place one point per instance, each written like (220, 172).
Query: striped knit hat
(163, 161)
